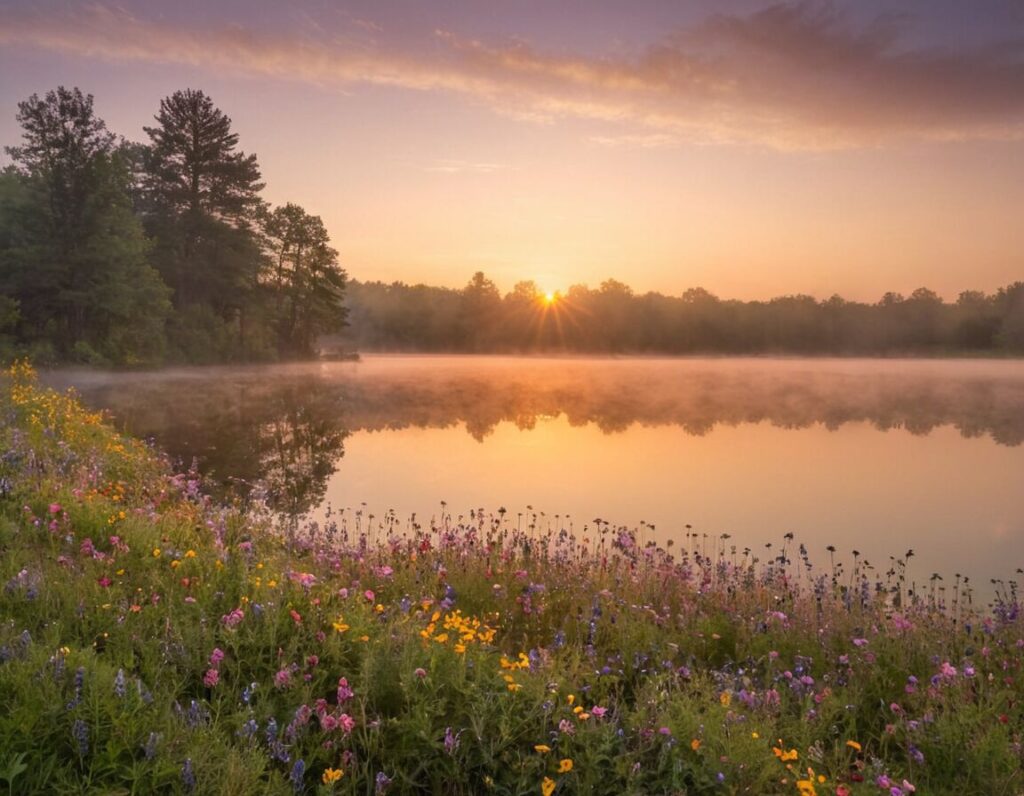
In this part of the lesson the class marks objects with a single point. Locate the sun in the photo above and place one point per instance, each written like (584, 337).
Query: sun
(549, 298)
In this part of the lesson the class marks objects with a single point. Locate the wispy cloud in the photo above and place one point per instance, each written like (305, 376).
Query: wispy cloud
(465, 166)
(792, 75)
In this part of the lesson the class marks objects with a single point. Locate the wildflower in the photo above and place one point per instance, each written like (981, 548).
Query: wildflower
(298, 772)
(543, 748)
(547, 786)
(382, 782)
(283, 678)
(211, 678)
(149, 750)
(420, 672)
(695, 744)
(853, 745)
(451, 740)
(119, 688)
(785, 756)
(564, 766)
(345, 693)
(332, 775)
(156, 552)
(188, 777)
(340, 625)
(347, 723)
(80, 732)
(216, 657)
(598, 712)
(725, 698)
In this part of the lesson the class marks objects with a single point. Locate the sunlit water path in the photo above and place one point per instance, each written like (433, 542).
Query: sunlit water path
(877, 456)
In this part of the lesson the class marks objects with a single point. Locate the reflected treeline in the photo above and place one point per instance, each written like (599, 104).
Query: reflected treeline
(286, 425)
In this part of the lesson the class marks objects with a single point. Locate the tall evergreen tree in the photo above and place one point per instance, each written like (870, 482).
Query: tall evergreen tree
(201, 196)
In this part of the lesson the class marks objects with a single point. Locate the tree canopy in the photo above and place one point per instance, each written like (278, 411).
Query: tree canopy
(120, 252)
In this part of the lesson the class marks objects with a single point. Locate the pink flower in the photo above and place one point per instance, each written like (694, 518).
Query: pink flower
(328, 723)
(211, 678)
(105, 582)
(55, 508)
(598, 712)
(216, 657)
(296, 616)
(234, 618)
(369, 595)
(345, 693)
(347, 723)
(420, 673)
(283, 678)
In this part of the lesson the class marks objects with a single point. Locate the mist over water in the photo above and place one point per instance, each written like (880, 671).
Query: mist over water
(874, 455)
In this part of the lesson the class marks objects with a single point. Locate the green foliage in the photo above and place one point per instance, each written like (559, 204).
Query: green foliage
(129, 254)
(612, 318)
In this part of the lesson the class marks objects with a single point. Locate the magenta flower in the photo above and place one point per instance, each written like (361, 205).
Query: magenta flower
(211, 678)
(216, 657)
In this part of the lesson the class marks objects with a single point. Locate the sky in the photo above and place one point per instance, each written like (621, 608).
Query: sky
(752, 148)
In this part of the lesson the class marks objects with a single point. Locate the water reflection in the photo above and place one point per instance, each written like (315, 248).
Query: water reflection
(286, 426)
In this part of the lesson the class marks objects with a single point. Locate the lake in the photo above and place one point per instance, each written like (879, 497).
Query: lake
(878, 456)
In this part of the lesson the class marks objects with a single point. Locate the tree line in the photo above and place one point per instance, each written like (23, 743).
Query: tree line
(113, 251)
(614, 319)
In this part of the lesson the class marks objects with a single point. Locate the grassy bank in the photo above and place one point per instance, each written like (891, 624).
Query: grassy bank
(154, 641)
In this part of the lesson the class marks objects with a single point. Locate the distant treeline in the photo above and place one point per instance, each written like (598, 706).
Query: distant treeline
(120, 252)
(612, 318)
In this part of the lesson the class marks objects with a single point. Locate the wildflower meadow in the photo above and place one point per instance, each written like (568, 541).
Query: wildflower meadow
(156, 640)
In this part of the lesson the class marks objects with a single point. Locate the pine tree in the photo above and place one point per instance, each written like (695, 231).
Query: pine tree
(201, 196)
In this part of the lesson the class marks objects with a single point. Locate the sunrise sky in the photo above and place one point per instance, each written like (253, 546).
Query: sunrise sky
(754, 149)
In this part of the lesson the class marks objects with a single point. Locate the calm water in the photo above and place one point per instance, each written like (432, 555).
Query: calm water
(879, 456)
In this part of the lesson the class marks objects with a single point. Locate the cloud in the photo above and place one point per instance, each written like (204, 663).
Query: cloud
(465, 167)
(791, 75)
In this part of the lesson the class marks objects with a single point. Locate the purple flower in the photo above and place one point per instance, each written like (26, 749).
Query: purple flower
(298, 772)
(188, 776)
(80, 732)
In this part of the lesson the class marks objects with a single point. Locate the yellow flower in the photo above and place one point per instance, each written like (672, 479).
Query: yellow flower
(754, 735)
(156, 552)
(725, 699)
(564, 766)
(543, 748)
(332, 775)
(340, 625)
(547, 786)
(175, 564)
(784, 756)
(192, 554)
(570, 699)
(695, 744)
(853, 745)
